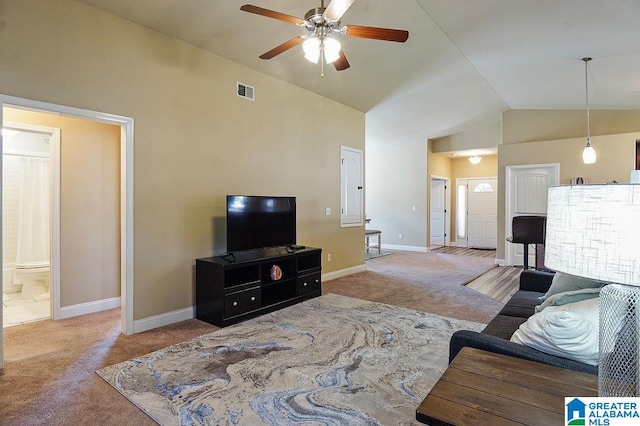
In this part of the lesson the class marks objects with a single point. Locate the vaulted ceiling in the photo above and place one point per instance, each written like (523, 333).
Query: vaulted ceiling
(466, 61)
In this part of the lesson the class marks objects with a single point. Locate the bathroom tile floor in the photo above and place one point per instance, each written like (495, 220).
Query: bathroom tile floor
(17, 311)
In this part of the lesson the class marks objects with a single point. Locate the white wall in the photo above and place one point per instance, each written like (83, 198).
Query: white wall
(396, 181)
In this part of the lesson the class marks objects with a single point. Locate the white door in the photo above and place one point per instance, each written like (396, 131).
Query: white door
(483, 213)
(437, 213)
(351, 187)
(526, 194)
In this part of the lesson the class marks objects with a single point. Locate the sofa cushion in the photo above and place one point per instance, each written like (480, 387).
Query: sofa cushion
(559, 299)
(522, 304)
(564, 282)
(503, 326)
(569, 331)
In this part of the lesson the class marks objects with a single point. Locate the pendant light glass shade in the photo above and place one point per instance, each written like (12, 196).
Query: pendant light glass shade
(588, 154)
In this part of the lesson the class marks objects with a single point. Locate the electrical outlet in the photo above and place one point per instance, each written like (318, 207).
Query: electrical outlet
(400, 236)
(327, 211)
(328, 257)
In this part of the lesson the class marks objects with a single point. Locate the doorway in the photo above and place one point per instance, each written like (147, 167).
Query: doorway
(31, 167)
(125, 125)
(526, 190)
(439, 211)
(482, 217)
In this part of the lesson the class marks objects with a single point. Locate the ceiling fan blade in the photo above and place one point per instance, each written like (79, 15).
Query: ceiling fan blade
(271, 14)
(341, 63)
(337, 8)
(387, 34)
(282, 48)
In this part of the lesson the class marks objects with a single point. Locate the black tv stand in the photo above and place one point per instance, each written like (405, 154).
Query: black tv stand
(240, 285)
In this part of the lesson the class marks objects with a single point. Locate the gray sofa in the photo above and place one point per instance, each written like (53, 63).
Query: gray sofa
(495, 337)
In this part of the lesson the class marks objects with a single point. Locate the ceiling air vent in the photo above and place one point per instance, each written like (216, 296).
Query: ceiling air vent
(246, 92)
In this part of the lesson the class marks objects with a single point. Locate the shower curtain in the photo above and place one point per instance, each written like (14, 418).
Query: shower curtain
(33, 211)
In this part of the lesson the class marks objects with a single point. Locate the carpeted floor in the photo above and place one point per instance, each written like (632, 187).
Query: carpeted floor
(427, 282)
(364, 363)
(49, 376)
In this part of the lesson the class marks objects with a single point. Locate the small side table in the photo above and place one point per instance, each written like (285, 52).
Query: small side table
(484, 388)
(372, 233)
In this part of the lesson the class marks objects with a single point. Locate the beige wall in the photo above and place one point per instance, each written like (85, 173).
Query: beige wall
(195, 141)
(89, 205)
(616, 159)
(527, 125)
(483, 137)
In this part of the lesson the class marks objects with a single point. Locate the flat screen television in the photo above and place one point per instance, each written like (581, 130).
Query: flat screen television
(255, 222)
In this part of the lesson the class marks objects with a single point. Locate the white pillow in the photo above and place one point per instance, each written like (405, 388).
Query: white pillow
(569, 331)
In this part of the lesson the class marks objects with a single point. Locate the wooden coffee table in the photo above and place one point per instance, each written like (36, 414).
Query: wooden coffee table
(482, 387)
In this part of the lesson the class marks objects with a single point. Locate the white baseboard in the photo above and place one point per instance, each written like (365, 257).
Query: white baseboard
(89, 307)
(405, 248)
(161, 320)
(343, 272)
(501, 262)
(168, 318)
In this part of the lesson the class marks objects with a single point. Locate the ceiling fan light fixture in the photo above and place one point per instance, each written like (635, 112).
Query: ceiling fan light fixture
(311, 47)
(331, 48)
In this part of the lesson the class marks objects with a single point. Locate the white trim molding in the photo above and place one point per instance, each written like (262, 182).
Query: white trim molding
(405, 248)
(89, 307)
(343, 272)
(168, 318)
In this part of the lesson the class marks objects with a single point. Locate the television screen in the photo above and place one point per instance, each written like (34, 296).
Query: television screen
(255, 222)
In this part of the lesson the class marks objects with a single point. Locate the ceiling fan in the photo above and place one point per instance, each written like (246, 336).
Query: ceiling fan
(323, 24)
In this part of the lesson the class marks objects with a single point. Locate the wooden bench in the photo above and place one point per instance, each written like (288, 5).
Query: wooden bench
(368, 233)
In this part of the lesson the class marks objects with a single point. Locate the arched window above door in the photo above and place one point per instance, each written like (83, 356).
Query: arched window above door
(483, 187)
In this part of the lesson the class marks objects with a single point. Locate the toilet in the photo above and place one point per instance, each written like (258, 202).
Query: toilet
(35, 279)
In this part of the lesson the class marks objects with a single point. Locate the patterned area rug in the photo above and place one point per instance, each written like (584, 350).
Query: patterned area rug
(332, 360)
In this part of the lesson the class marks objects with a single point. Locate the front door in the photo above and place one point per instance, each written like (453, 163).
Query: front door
(483, 213)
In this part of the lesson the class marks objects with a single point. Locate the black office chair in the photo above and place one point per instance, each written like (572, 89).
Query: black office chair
(528, 230)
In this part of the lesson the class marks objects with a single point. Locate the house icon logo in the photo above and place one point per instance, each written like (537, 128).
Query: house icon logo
(576, 412)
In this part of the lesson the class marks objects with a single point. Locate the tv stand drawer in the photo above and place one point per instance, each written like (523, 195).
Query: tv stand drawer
(241, 302)
(309, 283)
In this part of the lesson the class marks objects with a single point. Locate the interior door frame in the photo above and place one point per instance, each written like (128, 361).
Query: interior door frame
(126, 194)
(447, 208)
(54, 211)
(554, 169)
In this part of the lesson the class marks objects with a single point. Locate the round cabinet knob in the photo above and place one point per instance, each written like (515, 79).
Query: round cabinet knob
(235, 303)
(304, 285)
(317, 281)
(253, 299)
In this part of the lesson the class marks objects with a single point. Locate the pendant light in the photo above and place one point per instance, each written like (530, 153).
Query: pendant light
(588, 154)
